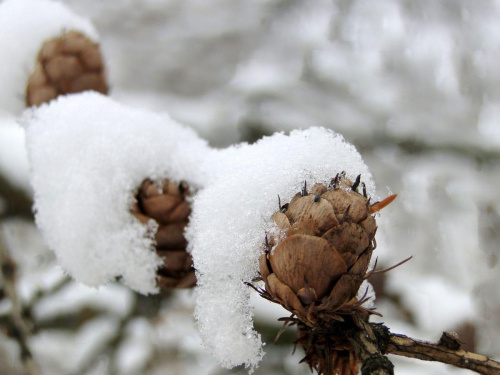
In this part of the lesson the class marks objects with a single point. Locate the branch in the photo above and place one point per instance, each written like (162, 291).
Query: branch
(371, 341)
(447, 350)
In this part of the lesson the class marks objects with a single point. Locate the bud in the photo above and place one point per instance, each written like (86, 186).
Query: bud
(168, 207)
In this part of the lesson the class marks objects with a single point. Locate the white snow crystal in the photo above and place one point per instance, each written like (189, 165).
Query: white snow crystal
(24, 26)
(88, 154)
(230, 218)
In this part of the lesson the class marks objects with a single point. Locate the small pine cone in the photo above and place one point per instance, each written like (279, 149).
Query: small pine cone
(316, 263)
(170, 209)
(67, 64)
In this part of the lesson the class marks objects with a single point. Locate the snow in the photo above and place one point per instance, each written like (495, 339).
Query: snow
(37, 273)
(88, 155)
(230, 219)
(488, 127)
(21, 41)
(53, 344)
(13, 157)
(437, 304)
(114, 299)
(134, 353)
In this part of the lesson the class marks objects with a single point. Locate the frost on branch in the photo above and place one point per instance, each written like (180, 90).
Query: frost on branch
(230, 219)
(21, 41)
(88, 155)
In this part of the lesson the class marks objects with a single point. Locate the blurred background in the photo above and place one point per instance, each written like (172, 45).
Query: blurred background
(414, 85)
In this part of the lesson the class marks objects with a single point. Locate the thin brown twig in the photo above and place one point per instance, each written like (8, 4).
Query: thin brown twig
(373, 340)
(445, 351)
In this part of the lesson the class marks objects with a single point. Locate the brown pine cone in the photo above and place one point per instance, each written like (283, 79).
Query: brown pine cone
(170, 209)
(67, 64)
(315, 264)
(319, 259)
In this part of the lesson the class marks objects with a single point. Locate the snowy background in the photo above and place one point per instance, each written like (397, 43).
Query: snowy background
(414, 85)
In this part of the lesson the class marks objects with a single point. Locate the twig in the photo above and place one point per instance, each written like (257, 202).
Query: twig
(372, 341)
(18, 328)
(376, 339)
(447, 350)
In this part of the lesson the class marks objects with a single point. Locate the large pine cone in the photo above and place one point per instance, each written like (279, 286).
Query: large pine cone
(67, 64)
(170, 209)
(316, 263)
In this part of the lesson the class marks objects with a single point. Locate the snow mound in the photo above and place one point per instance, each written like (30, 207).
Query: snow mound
(88, 154)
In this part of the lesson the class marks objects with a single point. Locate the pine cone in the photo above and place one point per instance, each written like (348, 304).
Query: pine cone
(316, 263)
(170, 209)
(67, 64)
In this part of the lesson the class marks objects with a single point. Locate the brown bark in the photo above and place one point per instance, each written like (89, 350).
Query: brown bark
(443, 352)
(372, 341)
(366, 344)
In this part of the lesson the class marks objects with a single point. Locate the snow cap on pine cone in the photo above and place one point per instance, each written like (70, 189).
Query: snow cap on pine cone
(89, 156)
